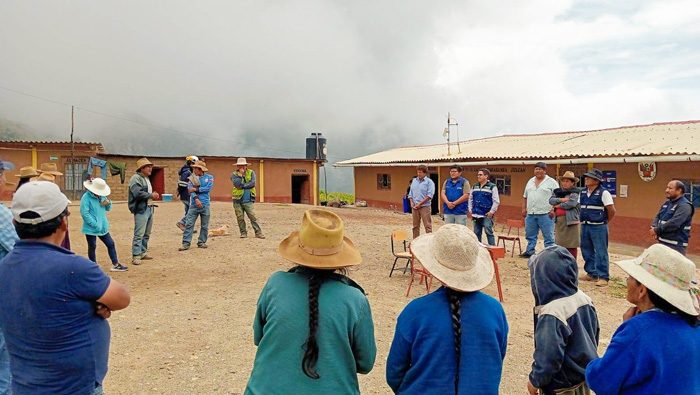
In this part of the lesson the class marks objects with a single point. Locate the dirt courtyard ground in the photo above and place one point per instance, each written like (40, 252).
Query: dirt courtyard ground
(189, 327)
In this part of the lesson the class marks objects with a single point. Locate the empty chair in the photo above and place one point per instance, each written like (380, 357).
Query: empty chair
(400, 236)
(512, 223)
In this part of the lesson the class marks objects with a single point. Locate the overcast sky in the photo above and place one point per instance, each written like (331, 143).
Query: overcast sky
(369, 75)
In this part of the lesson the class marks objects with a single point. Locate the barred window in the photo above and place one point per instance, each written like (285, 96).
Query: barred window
(384, 181)
(692, 191)
(502, 183)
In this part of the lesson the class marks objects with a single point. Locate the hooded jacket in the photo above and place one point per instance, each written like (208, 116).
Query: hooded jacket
(184, 175)
(566, 323)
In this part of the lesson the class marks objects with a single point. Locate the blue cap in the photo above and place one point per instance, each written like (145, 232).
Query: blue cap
(6, 165)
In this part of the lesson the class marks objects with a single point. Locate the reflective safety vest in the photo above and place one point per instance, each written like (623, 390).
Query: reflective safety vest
(592, 209)
(454, 191)
(238, 193)
(681, 235)
(482, 198)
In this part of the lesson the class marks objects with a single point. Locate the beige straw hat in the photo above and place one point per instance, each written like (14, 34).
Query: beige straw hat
(320, 243)
(454, 256)
(142, 162)
(668, 274)
(201, 165)
(570, 175)
(49, 168)
(44, 177)
(241, 162)
(97, 186)
(27, 172)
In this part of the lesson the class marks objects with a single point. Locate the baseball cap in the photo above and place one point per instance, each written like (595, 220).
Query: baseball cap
(43, 198)
(6, 165)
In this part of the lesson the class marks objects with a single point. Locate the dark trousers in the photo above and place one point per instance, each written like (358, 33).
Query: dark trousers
(108, 242)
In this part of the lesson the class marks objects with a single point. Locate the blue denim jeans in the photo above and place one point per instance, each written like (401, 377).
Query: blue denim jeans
(594, 249)
(204, 213)
(108, 242)
(142, 231)
(534, 223)
(456, 219)
(5, 375)
(487, 225)
(187, 208)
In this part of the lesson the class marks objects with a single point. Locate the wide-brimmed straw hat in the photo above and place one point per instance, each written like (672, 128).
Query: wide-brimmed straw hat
(568, 175)
(49, 168)
(668, 274)
(241, 162)
(97, 186)
(201, 165)
(44, 177)
(142, 162)
(454, 256)
(320, 243)
(27, 172)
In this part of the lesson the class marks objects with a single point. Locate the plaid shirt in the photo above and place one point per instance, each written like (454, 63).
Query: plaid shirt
(8, 236)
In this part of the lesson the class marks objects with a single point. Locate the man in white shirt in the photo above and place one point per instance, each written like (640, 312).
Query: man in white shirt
(537, 210)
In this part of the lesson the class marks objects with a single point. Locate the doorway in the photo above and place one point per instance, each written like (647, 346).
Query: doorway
(435, 203)
(300, 189)
(157, 179)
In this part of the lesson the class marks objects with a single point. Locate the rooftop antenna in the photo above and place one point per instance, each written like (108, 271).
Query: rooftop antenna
(446, 133)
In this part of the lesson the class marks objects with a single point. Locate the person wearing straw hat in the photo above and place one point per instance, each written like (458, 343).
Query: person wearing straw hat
(141, 196)
(243, 180)
(8, 238)
(313, 326)
(54, 303)
(199, 206)
(567, 211)
(597, 209)
(671, 226)
(25, 174)
(49, 168)
(655, 350)
(93, 208)
(566, 325)
(454, 339)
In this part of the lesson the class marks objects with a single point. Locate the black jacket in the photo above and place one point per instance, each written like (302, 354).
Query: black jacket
(138, 194)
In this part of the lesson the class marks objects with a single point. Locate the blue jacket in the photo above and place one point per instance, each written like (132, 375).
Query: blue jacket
(593, 210)
(184, 173)
(652, 353)
(672, 223)
(94, 215)
(482, 198)
(454, 191)
(566, 323)
(206, 183)
(422, 359)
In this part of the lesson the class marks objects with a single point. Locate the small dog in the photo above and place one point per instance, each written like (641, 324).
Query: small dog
(220, 231)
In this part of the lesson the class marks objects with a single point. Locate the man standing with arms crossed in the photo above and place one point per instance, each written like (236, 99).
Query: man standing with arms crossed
(597, 209)
(455, 196)
(537, 211)
(141, 196)
(671, 226)
(483, 203)
(243, 198)
(421, 197)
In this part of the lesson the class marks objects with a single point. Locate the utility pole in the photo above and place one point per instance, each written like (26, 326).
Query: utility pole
(72, 152)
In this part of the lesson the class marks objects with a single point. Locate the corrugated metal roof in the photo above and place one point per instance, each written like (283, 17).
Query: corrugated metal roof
(48, 142)
(670, 138)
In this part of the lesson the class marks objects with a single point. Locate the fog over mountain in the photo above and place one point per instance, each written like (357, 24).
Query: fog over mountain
(256, 78)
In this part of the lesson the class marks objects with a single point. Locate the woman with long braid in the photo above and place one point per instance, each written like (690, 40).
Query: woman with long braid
(452, 341)
(313, 325)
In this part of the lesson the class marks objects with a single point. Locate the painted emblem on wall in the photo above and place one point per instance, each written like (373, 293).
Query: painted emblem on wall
(647, 170)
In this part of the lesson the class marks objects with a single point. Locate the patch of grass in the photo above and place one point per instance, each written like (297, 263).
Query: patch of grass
(350, 199)
(283, 204)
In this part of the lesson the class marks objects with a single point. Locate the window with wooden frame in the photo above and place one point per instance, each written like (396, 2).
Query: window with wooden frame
(692, 191)
(383, 181)
(502, 183)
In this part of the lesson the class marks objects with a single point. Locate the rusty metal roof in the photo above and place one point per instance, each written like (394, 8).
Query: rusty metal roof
(670, 138)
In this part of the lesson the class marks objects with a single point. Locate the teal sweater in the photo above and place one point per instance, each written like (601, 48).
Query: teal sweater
(345, 337)
(94, 215)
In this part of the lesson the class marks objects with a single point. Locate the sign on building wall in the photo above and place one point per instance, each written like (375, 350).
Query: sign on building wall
(53, 158)
(610, 181)
(647, 171)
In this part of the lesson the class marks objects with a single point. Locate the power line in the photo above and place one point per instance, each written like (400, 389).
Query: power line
(154, 125)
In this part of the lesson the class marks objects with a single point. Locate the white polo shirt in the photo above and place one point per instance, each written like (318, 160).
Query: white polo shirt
(538, 196)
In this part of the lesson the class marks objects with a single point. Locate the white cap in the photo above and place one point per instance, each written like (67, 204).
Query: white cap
(43, 198)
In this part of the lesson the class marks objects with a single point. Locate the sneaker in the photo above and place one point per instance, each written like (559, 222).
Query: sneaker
(184, 248)
(260, 236)
(601, 283)
(244, 235)
(525, 255)
(118, 267)
(181, 226)
(202, 246)
(586, 277)
(145, 257)
(136, 261)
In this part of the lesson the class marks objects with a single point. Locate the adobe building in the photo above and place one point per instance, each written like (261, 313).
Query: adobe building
(637, 161)
(279, 180)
